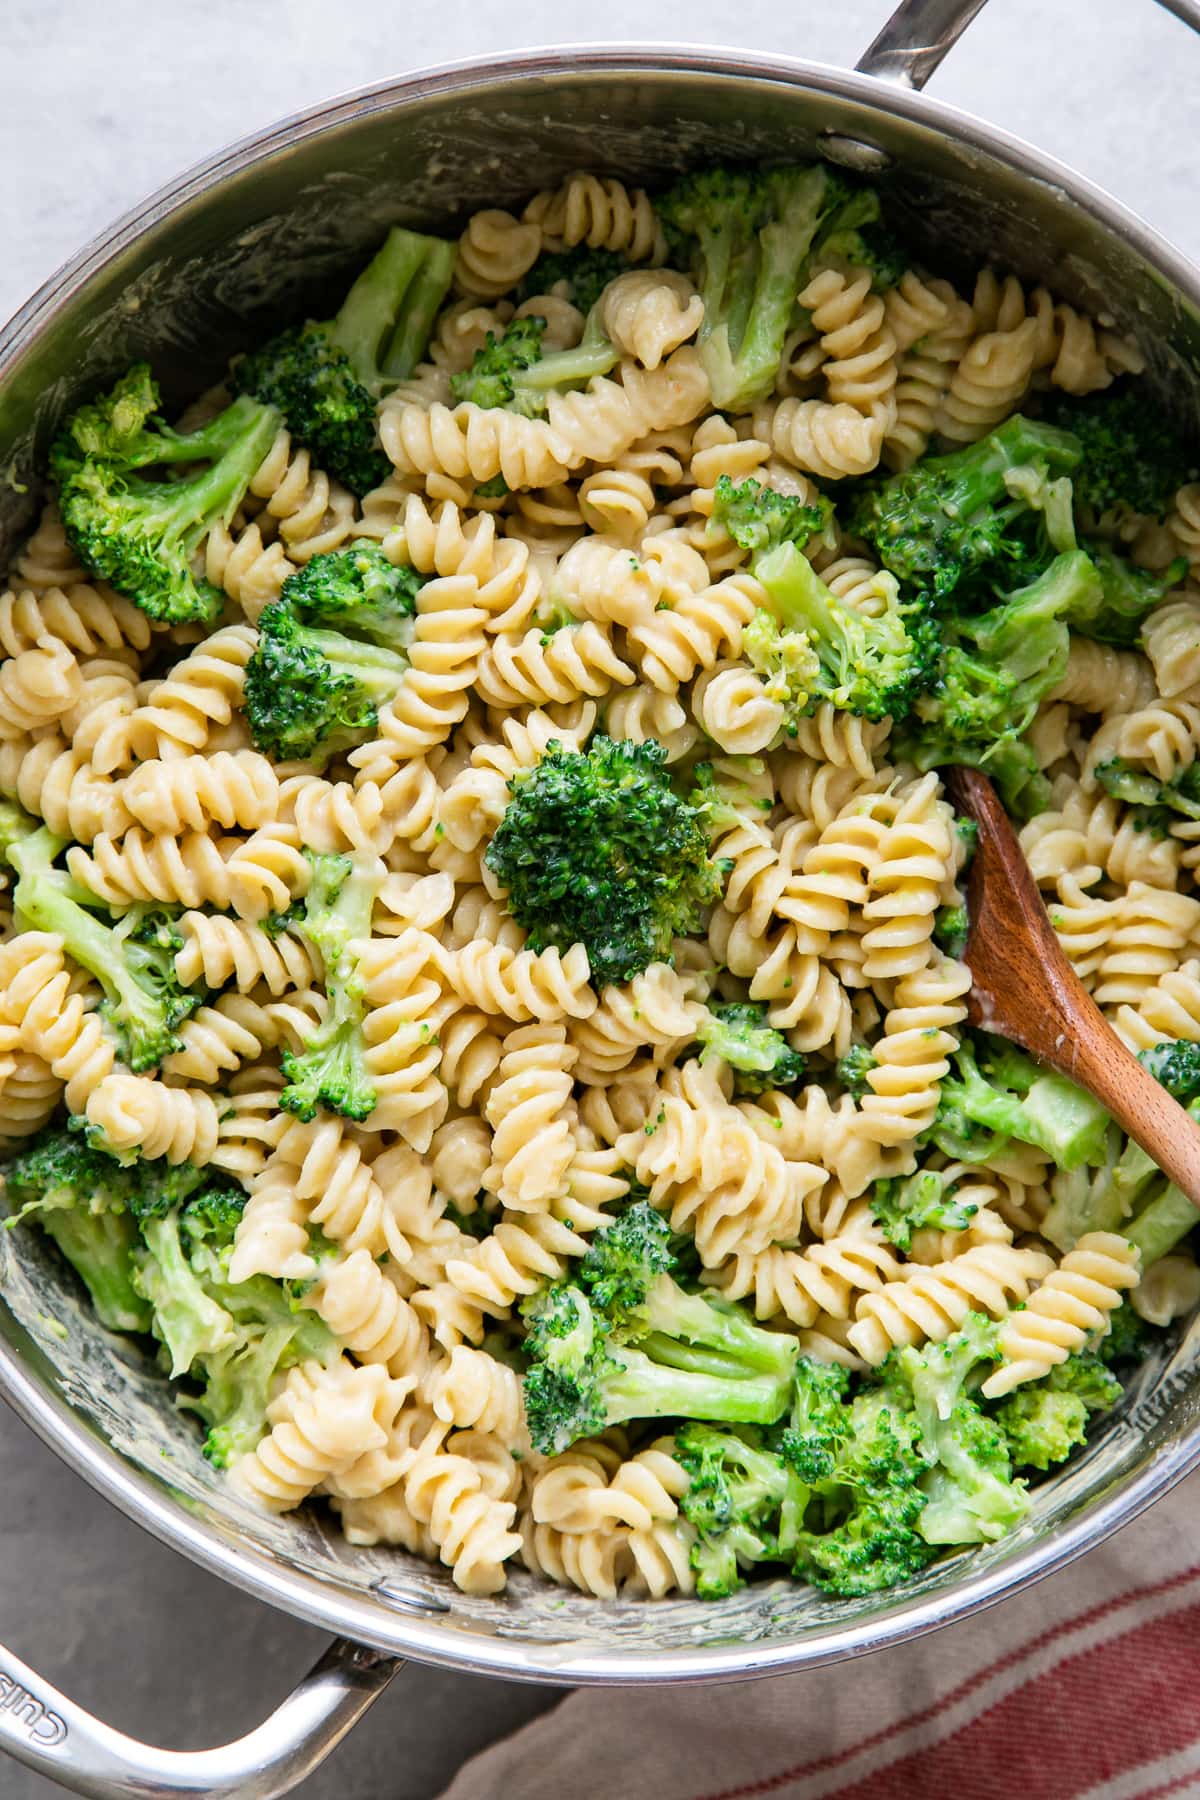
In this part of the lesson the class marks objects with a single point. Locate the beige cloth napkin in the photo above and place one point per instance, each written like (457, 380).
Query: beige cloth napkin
(1085, 1687)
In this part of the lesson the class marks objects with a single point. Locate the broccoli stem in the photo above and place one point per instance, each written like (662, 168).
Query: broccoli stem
(799, 598)
(378, 669)
(188, 1320)
(1162, 1224)
(647, 1389)
(677, 1319)
(42, 897)
(384, 322)
(237, 441)
(1064, 1121)
(337, 920)
(99, 1246)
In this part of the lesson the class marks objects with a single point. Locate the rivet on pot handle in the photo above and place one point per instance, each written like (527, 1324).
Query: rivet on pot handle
(49, 1733)
(921, 32)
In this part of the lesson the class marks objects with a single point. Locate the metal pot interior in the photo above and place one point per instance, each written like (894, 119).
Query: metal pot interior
(272, 229)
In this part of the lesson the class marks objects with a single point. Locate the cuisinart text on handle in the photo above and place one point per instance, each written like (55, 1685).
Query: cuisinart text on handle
(43, 1726)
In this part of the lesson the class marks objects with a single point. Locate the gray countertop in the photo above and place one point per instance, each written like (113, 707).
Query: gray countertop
(86, 129)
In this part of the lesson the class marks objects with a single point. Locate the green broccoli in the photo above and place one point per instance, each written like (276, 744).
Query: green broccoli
(1007, 1094)
(624, 1341)
(971, 1497)
(926, 1200)
(941, 522)
(874, 666)
(1137, 787)
(584, 272)
(761, 518)
(1176, 1064)
(327, 379)
(853, 1069)
(331, 1071)
(746, 236)
(1100, 1197)
(745, 1502)
(1127, 1177)
(357, 590)
(141, 534)
(133, 960)
(1131, 454)
(863, 1531)
(82, 1198)
(511, 370)
(995, 669)
(856, 238)
(951, 929)
(1165, 1220)
(597, 848)
(231, 1338)
(331, 651)
(759, 1056)
(1045, 1420)
(1114, 610)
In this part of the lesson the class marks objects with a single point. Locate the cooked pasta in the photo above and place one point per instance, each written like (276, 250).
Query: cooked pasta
(439, 1110)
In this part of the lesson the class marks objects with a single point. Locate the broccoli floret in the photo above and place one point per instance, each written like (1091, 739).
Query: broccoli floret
(948, 517)
(1128, 1178)
(231, 1338)
(759, 1056)
(761, 518)
(313, 688)
(1126, 1339)
(854, 1067)
(584, 272)
(134, 960)
(858, 239)
(331, 1071)
(1165, 1220)
(1012, 1096)
(816, 1422)
(512, 372)
(738, 1496)
(81, 1198)
(1045, 1420)
(874, 666)
(359, 591)
(15, 824)
(788, 664)
(971, 1497)
(902, 1205)
(1176, 1064)
(1131, 455)
(327, 379)
(746, 236)
(951, 929)
(625, 1341)
(994, 671)
(597, 848)
(1113, 609)
(489, 377)
(139, 534)
(1098, 1198)
(865, 1534)
(723, 794)
(1137, 787)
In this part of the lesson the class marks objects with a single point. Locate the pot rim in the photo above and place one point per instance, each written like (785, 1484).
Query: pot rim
(429, 1635)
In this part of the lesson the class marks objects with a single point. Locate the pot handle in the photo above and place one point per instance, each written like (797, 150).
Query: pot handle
(49, 1733)
(921, 32)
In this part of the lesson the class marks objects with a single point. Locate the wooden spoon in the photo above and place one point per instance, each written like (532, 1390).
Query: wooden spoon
(1026, 990)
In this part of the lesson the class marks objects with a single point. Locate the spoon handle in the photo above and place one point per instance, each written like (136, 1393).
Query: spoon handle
(1026, 990)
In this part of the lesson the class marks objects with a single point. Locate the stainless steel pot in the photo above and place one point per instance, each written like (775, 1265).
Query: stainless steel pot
(263, 229)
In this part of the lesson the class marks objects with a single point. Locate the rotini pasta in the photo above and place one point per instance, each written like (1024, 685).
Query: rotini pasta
(394, 1070)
